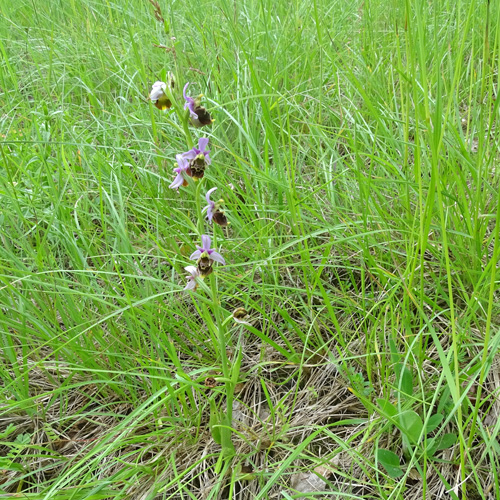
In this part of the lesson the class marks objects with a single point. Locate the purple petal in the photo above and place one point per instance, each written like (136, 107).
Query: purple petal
(192, 114)
(182, 162)
(210, 211)
(211, 205)
(208, 161)
(195, 255)
(217, 257)
(191, 284)
(189, 103)
(208, 208)
(190, 155)
(203, 143)
(192, 270)
(178, 182)
(206, 241)
(209, 192)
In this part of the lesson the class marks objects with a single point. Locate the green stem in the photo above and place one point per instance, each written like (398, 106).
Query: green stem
(221, 326)
(187, 132)
(174, 125)
(199, 215)
(227, 444)
(183, 117)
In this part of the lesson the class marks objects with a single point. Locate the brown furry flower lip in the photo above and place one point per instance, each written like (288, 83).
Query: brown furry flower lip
(214, 211)
(198, 115)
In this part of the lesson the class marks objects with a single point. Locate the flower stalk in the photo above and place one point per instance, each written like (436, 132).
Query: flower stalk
(226, 427)
(199, 214)
(181, 115)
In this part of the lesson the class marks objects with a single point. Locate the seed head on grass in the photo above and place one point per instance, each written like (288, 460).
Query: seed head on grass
(198, 115)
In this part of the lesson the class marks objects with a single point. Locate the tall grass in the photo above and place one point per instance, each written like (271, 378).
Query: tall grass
(356, 148)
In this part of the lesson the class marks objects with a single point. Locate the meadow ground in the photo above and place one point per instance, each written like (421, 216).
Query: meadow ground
(356, 147)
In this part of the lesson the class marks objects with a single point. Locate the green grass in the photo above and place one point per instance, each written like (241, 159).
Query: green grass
(360, 139)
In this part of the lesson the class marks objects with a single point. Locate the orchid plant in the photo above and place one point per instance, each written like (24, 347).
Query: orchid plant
(192, 164)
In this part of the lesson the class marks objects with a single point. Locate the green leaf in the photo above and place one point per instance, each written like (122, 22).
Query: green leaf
(74, 494)
(23, 439)
(225, 433)
(433, 422)
(7, 464)
(214, 422)
(446, 401)
(440, 443)
(386, 409)
(411, 425)
(404, 380)
(431, 446)
(235, 368)
(8, 430)
(447, 441)
(395, 356)
(390, 462)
